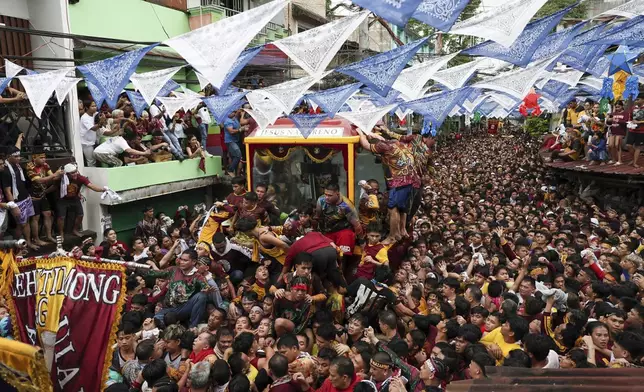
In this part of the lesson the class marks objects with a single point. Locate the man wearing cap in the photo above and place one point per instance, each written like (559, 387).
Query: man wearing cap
(15, 189)
(148, 227)
(41, 178)
(70, 186)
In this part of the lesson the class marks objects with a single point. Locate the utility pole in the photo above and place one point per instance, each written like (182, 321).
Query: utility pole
(363, 39)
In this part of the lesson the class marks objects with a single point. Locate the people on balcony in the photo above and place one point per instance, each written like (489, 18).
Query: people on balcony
(109, 151)
(89, 124)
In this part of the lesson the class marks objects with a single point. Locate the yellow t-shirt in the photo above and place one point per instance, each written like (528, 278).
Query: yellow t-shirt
(486, 284)
(495, 337)
(252, 374)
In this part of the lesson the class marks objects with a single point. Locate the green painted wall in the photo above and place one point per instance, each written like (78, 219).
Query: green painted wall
(126, 19)
(139, 176)
(125, 216)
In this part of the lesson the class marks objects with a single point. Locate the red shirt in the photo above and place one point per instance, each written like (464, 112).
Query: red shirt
(235, 201)
(75, 185)
(328, 387)
(311, 242)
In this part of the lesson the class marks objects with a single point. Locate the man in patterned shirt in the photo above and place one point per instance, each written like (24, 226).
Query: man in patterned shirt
(42, 179)
(337, 219)
(399, 158)
(185, 296)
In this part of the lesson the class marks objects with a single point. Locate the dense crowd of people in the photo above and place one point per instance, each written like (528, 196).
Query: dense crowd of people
(474, 257)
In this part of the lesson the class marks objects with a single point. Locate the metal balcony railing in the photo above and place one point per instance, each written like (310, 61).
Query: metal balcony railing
(45, 134)
(237, 6)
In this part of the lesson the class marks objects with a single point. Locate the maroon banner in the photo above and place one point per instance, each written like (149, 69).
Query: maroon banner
(87, 328)
(71, 309)
(23, 292)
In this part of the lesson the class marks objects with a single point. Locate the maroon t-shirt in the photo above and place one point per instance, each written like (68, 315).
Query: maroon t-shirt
(75, 185)
(619, 122)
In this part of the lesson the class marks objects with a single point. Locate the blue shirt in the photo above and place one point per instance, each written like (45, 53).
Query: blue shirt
(228, 138)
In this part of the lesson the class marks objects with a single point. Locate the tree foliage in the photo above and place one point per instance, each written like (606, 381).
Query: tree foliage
(552, 6)
(536, 126)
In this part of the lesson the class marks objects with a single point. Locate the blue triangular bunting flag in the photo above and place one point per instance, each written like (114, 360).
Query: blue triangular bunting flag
(396, 12)
(592, 55)
(578, 48)
(307, 123)
(168, 87)
(244, 58)
(113, 74)
(383, 101)
(436, 106)
(138, 102)
(4, 82)
(556, 42)
(97, 94)
(380, 71)
(440, 14)
(222, 105)
(628, 33)
(522, 50)
(331, 100)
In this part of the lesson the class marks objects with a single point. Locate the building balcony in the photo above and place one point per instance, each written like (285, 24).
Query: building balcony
(203, 12)
(153, 179)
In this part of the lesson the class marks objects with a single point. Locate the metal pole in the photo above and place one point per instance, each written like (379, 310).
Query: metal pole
(61, 252)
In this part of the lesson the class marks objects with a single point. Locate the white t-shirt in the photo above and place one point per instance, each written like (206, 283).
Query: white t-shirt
(88, 137)
(112, 146)
(141, 256)
(155, 111)
(178, 131)
(204, 114)
(553, 360)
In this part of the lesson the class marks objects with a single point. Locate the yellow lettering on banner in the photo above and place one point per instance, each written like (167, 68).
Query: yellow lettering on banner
(53, 276)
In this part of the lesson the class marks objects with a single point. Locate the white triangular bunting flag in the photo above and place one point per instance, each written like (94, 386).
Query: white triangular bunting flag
(64, 87)
(412, 80)
(571, 77)
(314, 49)
(593, 82)
(401, 115)
(627, 10)
(288, 93)
(203, 82)
(213, 49)
(260, 118)
(150, 83)
(456, 77)
(517, 82)
(365, 120)
(502, 24)
(11, 69)
(172, 104)
(313, 105)
(505, 101)
(39, 87)
(265, 106)
(354, 103)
